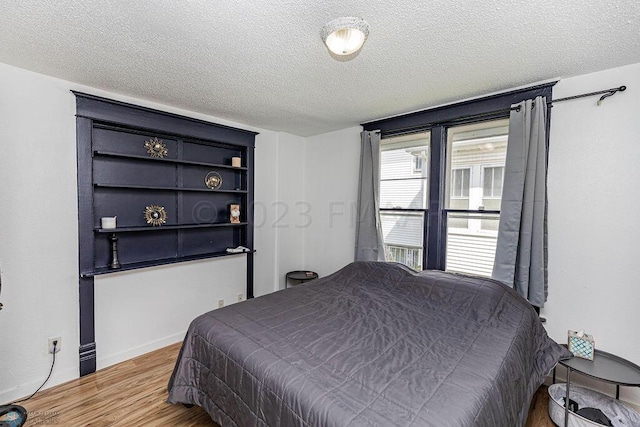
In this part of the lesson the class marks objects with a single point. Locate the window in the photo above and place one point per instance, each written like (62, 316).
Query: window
(493, 177)
(443, 211)
(417, 163)
(403, 198)
(460, 183)
(411, 257)
(472, 227)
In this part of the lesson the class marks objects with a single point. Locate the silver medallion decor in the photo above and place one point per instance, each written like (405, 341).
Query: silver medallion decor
(213, 180)
(155, 215)
(156, 148)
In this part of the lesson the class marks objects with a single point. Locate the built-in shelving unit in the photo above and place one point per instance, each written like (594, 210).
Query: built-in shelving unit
(131, 158)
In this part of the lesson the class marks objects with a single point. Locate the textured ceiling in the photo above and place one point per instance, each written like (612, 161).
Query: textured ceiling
(263, 63)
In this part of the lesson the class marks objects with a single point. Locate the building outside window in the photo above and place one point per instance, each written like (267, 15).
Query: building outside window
(493, 178)
(417, 162)
(460, 183)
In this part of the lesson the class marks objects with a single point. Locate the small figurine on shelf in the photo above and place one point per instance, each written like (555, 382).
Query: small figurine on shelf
(234, 214)
(115, 262)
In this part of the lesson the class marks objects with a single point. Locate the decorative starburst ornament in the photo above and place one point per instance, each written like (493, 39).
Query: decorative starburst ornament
(155, 215)
(156, 148)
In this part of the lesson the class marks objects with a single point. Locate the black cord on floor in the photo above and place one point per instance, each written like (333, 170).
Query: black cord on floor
(45, 381)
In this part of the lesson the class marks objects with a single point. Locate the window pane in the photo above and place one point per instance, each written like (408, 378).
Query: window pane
(493, 182)
(460, 183)
(488, 182)
(403, 171)
(402, 233)
(480, 150)
(497, 181)
(471, 249)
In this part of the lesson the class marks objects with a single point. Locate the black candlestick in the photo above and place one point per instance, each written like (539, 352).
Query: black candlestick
(115, 263)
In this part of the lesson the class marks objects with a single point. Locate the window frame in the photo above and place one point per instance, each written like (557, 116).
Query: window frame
(437, 121)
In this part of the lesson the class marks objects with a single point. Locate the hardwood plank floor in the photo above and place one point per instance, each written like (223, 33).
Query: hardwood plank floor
(134, 393)
(131, 393)
(539, 410)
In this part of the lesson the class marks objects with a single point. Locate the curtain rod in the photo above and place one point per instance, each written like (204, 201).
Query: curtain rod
(607, 93)
(496, 114)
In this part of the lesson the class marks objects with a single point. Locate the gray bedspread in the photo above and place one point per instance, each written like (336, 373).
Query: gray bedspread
(373, 344)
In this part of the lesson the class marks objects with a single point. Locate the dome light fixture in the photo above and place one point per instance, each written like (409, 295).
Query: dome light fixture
(344, 37)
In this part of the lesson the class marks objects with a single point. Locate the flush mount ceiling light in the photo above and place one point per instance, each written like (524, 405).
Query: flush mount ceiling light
(344, 37)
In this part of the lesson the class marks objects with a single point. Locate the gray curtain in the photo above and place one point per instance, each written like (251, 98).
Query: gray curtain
(369, 246)
(521, 252)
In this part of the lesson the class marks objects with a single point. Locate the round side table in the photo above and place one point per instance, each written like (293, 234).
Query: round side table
(605, 367)
(300, 276)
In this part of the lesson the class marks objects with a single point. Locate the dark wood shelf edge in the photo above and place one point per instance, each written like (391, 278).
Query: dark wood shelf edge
(155, 159)
(167, 114)
(155, 263)
(166, 227)
(145, 187)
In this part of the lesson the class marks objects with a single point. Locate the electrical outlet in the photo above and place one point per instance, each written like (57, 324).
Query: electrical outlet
(220, 303)
(240, 297)
(58, 345)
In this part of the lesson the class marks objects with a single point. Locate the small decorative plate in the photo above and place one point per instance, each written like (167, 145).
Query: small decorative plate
(213, 180)
(155, 215)
(156, 148)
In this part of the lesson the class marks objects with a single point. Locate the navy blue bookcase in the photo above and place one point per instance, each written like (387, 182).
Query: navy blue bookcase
(118, 177)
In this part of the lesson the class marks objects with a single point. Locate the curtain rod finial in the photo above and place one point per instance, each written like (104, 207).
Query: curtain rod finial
(611, 92)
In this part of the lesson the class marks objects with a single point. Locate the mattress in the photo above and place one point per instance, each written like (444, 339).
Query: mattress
(373, 344)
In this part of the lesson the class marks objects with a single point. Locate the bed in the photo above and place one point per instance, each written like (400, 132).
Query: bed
(373, 344)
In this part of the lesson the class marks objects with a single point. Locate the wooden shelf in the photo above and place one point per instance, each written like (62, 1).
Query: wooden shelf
(157, 188)
(155, 159)
(157, 262)
(166, 227)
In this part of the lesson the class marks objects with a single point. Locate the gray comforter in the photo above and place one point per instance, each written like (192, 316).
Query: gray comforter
(373, 344)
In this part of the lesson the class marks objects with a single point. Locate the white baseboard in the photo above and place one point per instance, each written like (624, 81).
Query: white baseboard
(24, 390)
(60, 377)
(112, 359)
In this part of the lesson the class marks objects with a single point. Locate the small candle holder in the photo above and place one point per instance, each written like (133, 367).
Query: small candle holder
(115, 263)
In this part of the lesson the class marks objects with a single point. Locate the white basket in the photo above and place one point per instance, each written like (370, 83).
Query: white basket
(588, 398)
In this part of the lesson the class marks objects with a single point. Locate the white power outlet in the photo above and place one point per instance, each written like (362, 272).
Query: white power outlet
(240, 297)
(220, 303)
(58, 345)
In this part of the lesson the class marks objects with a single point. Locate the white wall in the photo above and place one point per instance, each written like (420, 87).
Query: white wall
(279, 192)
(266, 191)
(287, 207)
(594, 226)
(136, 311)
(38, 230)
(139, 311)
(331, 171)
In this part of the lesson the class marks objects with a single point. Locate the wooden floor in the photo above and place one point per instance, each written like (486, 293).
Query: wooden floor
(134, 393)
